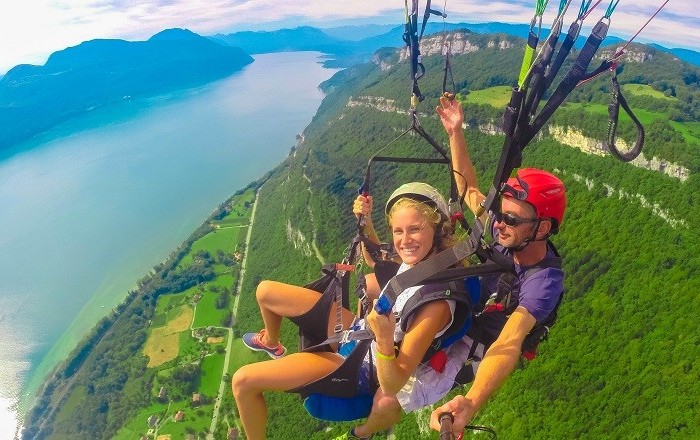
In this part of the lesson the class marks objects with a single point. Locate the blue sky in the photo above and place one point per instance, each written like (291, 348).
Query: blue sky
(30, 30)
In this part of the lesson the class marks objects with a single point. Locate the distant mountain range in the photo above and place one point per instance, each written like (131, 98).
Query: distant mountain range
(348, 47)
(686, 55)
(98, 72)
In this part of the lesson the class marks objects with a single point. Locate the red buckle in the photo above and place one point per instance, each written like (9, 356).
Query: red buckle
(497, 307)
(345, 267)
(438, 361)
(530, 355)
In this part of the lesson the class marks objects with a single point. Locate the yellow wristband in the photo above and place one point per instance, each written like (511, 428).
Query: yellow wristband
(384, 357)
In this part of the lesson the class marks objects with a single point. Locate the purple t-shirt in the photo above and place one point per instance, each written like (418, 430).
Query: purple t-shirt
(539, 293)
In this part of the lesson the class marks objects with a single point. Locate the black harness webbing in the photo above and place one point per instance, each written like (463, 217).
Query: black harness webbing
(498, 306)
(433, 267)
(443, 159)
(342, 382)
(538, 80)
(412, 40)
(563, 53)
(570, 81)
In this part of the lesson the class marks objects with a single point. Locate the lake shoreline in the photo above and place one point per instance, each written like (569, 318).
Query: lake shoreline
(110, 289)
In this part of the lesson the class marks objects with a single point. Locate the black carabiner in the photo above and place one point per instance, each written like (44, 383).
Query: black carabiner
(617, 100)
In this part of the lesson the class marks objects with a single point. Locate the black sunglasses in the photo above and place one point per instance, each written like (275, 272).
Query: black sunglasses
(512, 219)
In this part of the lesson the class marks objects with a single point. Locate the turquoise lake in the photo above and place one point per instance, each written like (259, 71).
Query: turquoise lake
(88, 209)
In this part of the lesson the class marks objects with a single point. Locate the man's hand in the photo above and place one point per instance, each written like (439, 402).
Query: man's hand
(461, 409)
(451, 115)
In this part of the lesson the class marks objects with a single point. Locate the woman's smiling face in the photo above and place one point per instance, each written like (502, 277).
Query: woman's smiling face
(412, 234)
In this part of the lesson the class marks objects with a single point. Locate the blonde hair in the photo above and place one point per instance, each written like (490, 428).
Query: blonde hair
(444, 233)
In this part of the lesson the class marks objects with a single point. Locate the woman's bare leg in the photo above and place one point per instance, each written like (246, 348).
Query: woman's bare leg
(386, 412)
(249, 382)
(277, 300)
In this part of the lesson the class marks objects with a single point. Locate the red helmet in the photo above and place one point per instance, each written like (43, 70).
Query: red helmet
(541, 189)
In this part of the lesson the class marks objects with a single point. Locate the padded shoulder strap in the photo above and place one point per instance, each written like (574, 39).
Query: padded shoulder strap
(424, 295)
(461, 320)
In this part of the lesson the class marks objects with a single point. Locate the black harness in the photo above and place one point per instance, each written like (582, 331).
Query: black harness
(343, 381)
(496, 307)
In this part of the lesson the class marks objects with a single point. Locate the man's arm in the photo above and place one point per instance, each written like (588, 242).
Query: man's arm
(451, 115)
(499, 362)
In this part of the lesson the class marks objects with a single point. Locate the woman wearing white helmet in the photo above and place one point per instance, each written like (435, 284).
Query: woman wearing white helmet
(385, 269)
(417, 216)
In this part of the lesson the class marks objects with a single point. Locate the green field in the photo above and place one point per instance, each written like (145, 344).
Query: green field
(212, 371)
(189, 347)
(224, 239)
(500, 95)
(73, 399)
(166, 304)
(206, 313)
(240, 211)
(139, 425)
(646, 90)
(494, 96)
(644, 116)
(241, 355)
(689, 130)
(197, 420)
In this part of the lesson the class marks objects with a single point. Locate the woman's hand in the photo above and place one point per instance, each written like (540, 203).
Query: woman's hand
(383, 328)
(363, 206)
(451, 115)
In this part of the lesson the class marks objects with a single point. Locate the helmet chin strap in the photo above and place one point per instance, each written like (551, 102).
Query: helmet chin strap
(532, 238)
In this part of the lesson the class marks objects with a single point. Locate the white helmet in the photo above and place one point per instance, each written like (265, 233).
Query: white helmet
(421, 192)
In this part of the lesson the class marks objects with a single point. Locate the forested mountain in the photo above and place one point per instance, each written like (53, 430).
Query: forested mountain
(98, 73)
(623, 359)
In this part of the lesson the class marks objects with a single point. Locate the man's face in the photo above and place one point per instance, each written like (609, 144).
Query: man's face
(515, 211)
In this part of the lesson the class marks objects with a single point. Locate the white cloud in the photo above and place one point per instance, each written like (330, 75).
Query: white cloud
(30, 30)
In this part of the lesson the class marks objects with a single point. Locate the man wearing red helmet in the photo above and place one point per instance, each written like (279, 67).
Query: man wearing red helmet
(532, 209)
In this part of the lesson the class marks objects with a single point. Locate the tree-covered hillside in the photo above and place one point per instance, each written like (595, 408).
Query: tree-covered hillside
(622, 361)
